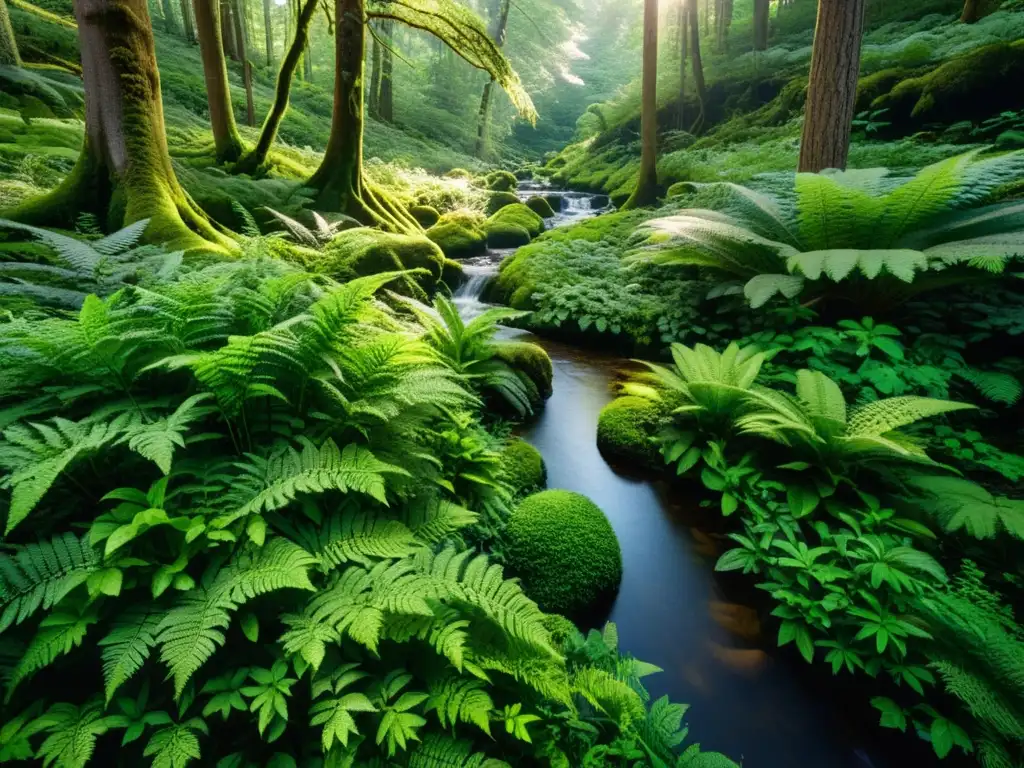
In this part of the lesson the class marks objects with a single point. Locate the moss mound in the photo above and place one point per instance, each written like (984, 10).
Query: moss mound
(530, 359)
(460, 235)
(426, 215)
(625, 429)
(520, 216)
(502, 234)
(563, 547)
(522, 466)
(359, 252)
(501, 181)
(540, 206)
(499, 200)
(458, 173)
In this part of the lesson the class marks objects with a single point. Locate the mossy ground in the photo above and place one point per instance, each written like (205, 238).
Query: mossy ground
(460, 235)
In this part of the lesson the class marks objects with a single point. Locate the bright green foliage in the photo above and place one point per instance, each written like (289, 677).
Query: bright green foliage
(541, 207)
(627, 429)
(518, 215)
(530, 359)
(498, 200)
(522, 467)
(501, 181)
(426, 215)
(460, 235)
(838, 230)
(565, 550)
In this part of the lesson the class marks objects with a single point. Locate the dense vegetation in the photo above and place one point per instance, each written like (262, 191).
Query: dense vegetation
(263, 495)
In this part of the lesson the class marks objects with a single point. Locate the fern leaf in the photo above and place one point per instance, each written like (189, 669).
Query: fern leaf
(73, 733)
(362, 537)
(177, 745)
(761, 289)
(122, 240)
(157, 441)
(458, 699)
(126, 647)
(877, 418)
(997, 386)
(59, 632)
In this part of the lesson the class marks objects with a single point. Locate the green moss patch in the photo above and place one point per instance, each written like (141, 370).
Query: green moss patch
(521, 216)
(563, 547)
(460, 235)
(541, 207)
(501, 181)
(360, 252)
(530, 359)
(499, 200)
(625, 429)
(426, 215)
(522, 467)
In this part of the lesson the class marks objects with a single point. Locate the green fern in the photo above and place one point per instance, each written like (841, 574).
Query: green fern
(457, 699)
(177, 745)
(126, 648)
(959, 504)
(73, 733)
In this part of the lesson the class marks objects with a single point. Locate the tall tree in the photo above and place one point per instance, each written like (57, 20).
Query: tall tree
(762, 15)
(124, 172)
(699, 83)
(170, 23)
(723, 20)
(255, 158)
(227, 25)
(268, 29)
(186, 22)
(227, 142)
(9, 55)
(646, 192)
(832, 90)
(684, 45)
(338, 183)
(386, 103)
(972, 11)
(242, 45)
(373, 96)
(499, 33)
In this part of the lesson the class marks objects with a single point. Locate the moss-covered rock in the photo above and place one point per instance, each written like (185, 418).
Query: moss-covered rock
(426, 215)
(522, 467)
(520, 216)
(564, 549)
(460, 234)
(625, 428)
(499, 200)
(532, 360)
(359, 252)
(540, 206)
(501, 181)
(458, 173)
(501, 234)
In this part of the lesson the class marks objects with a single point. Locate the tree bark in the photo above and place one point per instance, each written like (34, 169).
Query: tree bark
(762, 14)
(832, 90)
(972, 11)
(242, 43)
(268, 29)
(307, 64)
(386, 102)
(227, 142)
(9, 55)
(186, 22)
(338, 182)
(227, 25)
(124, 172)
(499, 34)
(699, 84)
(373, 97)
(170, 23)
(258, 156)
(646, 192)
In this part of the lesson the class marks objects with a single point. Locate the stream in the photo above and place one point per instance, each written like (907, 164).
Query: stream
(748, 701)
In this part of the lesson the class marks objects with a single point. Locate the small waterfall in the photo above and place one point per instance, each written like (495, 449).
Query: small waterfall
(478, 271)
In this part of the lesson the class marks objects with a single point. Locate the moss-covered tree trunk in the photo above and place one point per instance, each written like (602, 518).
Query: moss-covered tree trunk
(268, 31)
(188, 27)
(646, 192)
(124, 172)
(373, 96)
(699, 83)
(832, 90)
(499, 33)
(9, 55)
(387, 70)
(762, 15)
(227, 142)
(258, 155)
(307, 64)
(339, 183)
(242, 43)
(972, 11)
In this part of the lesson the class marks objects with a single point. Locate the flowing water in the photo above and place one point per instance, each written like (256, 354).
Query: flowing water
(746, 701)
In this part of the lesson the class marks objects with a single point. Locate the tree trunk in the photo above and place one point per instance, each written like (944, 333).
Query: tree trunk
(386, 98)
(186, 22)
(226, 140)
(646, 192)
(972, 11)
(699, 84)
(170, 23)
(307, 64)
(9, 55)
(684, 45)
(373, 97)
(498, 33)
(832, 90)
(242, 44)
(762, 14)
(339, 182)
(258, 156)
(723, 20)
(227, 25)
(124, 173)
(268, 28)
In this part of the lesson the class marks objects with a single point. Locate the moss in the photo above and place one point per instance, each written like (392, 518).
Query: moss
(563, 547)
(501, 181)
(501, 234)
(532, 360)
(520, 216)
(460, 235)
(540, 206)
(625, 428)
(426, 215)
(452, 274)
(360, 252)
(522, 467)
(499, 200)
(458, 173)
(561, 629)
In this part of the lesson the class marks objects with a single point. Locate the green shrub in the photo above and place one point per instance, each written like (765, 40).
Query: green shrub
(426, 215)
(520, 216)
(540, 206)
(626, 430)
(501, 181)
(361, 252)
(460, 234)
(532, 360)
(563, 547)
(499, 200)
(522, 467)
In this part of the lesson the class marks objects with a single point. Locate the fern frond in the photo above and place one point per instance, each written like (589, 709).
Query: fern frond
(176, 746)
(457, 699)
(126, 647)
(959, 504)
(877, 418)
(997, 386)
(59, 632)
(73, 733)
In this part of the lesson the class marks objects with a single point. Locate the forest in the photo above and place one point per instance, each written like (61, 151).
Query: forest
(496, 383)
